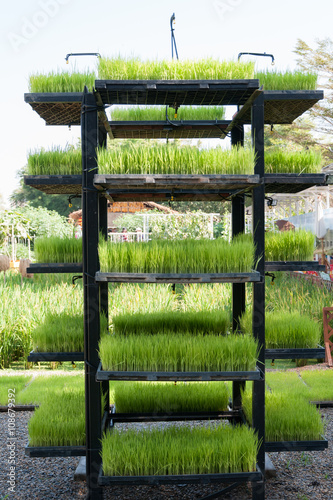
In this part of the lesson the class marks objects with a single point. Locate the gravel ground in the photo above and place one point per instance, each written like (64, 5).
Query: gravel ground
(300, 475)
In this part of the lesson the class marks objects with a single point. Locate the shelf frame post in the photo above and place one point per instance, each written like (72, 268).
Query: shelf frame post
(90, 234)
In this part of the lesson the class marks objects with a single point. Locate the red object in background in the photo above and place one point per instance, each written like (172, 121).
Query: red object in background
(331, 272)
(313, 273)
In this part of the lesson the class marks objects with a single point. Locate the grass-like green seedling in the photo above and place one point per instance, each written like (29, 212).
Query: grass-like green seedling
(293, 162)
(10, 387)
(174, 159)
(59, 333)
(48, 386)
(196, 323)
(179, 256)
(288, 80)
(289, 330)
(289, 245)
(61, 82)
(214, 449)
(119, 68)
(158, 113)
(157, 397)
(319, 383)
(58, 250)
(178, 352)
(55, 161)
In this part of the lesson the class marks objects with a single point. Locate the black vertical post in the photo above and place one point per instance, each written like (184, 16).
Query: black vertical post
(90, 213)
(104, 287)
(238, 289)
(258, 319)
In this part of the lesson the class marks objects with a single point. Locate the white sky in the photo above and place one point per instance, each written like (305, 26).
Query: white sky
(37, 34)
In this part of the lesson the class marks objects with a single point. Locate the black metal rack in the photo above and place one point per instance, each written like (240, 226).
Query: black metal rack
(88, 110)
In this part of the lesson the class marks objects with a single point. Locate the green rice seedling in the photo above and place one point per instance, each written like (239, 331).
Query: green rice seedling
(206, 297)
(158, 113)
(59, 333)
(182, 256)
(286, 330)
(49, 386)
(24, 307)
(207, 450)
(133, 298)
(293, 162)
(289, 80)
(289, 245)
(167, 396)
(319, 383)
(196, 323)
(61, 82)
(10, 386)
(175, 352)
(60, 420)
(174, 159)
(288, 417)
(282, 382)
(58, 250)
(56, 161)
(119, 68)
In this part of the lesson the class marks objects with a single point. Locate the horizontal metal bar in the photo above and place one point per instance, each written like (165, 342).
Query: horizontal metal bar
(55, 451)
(54, 268)
(4, 409)
(285, 95)
(293, 266)
(55, 356)
(173, 416)
(316, 353)
(177, 278)
(278, 446)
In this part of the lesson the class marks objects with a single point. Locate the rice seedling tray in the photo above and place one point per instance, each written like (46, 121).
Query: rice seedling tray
(57, 108)
(165, 186)
(47, 268)
(318, 353)
(55, 356)
(187, 129)
(177, 278)
(4, 409)
(284, 106)
(55, 451)
(322, 404)
(292, 183)
(55, 184)
(293, 266)
(238, 477)
(232, 415)
(318, 445)
(102, 375)
(176, 92)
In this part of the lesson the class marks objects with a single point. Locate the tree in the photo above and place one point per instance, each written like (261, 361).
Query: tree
(320, 61)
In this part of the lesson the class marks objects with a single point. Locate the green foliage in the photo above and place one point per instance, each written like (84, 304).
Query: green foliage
(56, 161)
(154, 397)
(48, 386)
(156, 113)
(118, 68)
(289, 80)
(61, 82)
(196, 323)
(57, 249)
(187, 256)
(59, 333)
(289, 245)
(289, 330)
(298, 162)
(213, 449)
(174, 159)
(177, 352)
(173, 227)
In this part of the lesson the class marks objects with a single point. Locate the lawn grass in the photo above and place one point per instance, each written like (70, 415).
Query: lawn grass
(174, 159)
(54, 249)
(157, 113)
(196, 323)
(288, 330)
(157, 397)
(214, 449)
(178, 352)
(179, 256)
(288, 80)
(289, 245)
(119, 68)
(319, 383)
(61, 82)
(292, 162)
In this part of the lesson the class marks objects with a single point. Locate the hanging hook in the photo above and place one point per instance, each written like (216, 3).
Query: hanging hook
(173, 39)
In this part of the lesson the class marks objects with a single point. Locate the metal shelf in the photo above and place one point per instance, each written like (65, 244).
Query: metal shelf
(55, 268)
(278, 446)
(55, 184)
(55, 451)
(272, 266)
(57, 108)
(318, 353)
(177, 277)
(292, 183)
(102, 375)
(55, 356)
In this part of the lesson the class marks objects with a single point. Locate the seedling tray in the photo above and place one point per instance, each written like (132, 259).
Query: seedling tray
(55, 268)
(317, 353)
(55, 184)
(293, 266)
(35, 356)
(177, 278)
(102, 375)
(292, 183)
(55, 451)
(319, 445)
(57, 108)
(169, 416)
